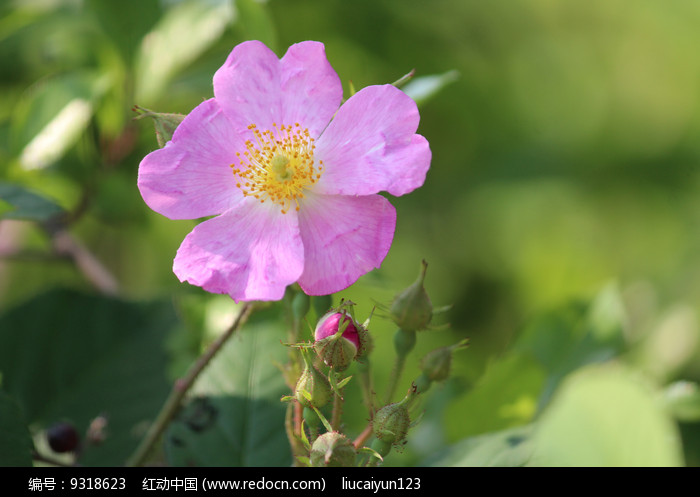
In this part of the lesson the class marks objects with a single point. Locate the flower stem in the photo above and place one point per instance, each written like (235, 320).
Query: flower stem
(404, 341)
(362, 438)
(180, 389)
(337, 411)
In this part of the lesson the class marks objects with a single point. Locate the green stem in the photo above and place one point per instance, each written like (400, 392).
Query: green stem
(404, 341)
(337, 411)
(396, 373)
(180, 389)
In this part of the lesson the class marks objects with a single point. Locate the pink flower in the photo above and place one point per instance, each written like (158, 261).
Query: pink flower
(329, 324)
(291, 178)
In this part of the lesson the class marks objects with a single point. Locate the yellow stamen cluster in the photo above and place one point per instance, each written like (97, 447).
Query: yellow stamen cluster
(278, 166)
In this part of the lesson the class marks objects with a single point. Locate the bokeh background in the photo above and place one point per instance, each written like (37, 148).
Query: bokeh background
(566, 146)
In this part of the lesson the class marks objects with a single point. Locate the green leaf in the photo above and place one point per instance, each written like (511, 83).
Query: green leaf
(424, 88)
(53, 115)
(510, 448)
(26, 205)
(180, 37)
(15, 442)
(506, 396)
(65, 355)
(606, 416)
(235, 417)
(574, 336)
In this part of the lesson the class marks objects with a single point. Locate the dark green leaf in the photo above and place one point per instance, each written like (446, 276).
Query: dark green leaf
(15, 442)
(236, 417)
(25, 205)
(69, 356)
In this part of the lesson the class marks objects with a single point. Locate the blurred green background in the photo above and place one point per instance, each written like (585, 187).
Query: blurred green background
(564, 180)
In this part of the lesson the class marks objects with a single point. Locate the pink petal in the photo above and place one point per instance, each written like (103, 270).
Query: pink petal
(248, 88)
(255, 87)
(251, 252)
(311, 89)
(344, 238)
(371, 145)
(190, 177)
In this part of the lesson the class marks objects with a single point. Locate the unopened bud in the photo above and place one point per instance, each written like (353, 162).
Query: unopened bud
(412, 309)
(313, 389)
(436, 364)
(337, 340)
(391, 423)
(332, 450)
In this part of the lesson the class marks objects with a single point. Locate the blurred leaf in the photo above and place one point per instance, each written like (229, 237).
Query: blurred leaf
(53, 116)
(236, 417)
(15, 442)
(256, 23)
(505, 396)
(26, 205)
(424, 88)
(683, 401)
(506, 448)
(126, 21)
(574, 336)
(604, 416)
(183, 34)
(65, 355)
(668, 347)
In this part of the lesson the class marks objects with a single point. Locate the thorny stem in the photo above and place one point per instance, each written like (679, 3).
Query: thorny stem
(181, 387)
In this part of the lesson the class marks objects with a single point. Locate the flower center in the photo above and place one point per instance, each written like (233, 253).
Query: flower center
(278, 166)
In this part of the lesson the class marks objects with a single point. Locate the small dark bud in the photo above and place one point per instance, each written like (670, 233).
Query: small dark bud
(412, 309)
(332, 450)
(62, 437)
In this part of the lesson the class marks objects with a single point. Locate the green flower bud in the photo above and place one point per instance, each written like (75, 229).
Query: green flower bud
(436, 364)
(412, 309)
(366, 342)
(332, 450)
(312, 388)
(391, 423)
